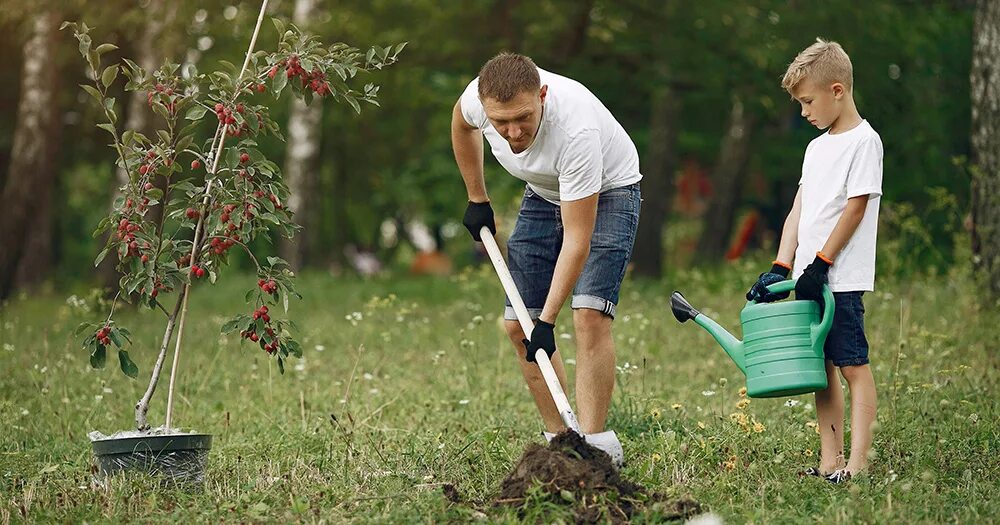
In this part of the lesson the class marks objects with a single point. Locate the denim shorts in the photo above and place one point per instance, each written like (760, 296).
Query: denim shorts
(533, 249)
(846, 345)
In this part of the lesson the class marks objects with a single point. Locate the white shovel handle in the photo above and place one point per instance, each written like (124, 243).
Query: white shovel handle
(541, 358)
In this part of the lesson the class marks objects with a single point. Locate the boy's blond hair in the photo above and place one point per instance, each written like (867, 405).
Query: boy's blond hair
(825, 62)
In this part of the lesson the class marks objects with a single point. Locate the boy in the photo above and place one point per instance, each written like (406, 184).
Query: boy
(831, 231)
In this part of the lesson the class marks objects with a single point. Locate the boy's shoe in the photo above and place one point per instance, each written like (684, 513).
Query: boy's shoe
(839, 476)
(606, 441)
(812, 471)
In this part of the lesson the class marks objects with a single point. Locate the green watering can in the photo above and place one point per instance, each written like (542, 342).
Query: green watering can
(781, 353)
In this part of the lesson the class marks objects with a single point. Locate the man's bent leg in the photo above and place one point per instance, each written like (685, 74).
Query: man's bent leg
(536, 382)
(595, 368)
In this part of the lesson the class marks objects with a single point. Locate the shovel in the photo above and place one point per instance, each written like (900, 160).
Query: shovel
(541, 358)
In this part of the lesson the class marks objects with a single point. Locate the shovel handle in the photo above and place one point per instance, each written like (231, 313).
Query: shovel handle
(523, 317)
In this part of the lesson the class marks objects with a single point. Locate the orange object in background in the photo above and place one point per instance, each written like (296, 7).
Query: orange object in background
(748, 225)
(431, 263)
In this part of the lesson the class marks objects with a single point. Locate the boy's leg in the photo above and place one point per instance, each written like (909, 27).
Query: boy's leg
(532, 251)
(830, 417)
(595, 368)
(863, 408)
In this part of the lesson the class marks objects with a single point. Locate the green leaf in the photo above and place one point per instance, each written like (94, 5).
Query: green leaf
(93, 91)
(231, 325)
(98, 358)
(279, 82)
(353, 102)
(83, 328)
(164, 136)
(196, 112)
(279, 25)
(107, 127)
(104, 48)
(128, 367)
(109, 75)
(116, 338)
(281, 365)
(101, 256)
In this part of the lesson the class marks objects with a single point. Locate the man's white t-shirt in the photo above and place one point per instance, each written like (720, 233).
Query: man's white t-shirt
(579, 150)
(836, 168)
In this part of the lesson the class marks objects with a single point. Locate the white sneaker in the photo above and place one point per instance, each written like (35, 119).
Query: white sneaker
(606, 441)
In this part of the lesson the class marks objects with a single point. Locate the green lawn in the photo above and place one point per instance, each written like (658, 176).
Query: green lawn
(408, 384)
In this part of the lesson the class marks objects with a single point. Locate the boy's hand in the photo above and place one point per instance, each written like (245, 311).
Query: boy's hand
(810, 283)
(542, 338)
(477, 215)
(758, 292)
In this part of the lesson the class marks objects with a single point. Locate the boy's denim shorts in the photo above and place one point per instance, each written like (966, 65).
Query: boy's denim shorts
(846, 345)
(534, 246)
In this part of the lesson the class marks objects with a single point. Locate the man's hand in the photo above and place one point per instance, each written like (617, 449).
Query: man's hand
(758, 292)
(477, 215)
(810, 283)
(542, 338)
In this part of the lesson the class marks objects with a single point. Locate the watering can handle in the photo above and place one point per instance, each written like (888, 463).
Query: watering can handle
(823, 328)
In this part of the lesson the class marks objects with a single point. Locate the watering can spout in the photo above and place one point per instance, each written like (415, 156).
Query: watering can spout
(683, 311)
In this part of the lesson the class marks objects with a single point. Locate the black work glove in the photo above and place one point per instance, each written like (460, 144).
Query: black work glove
(541, 338)
(477, 215)
(810, 283)
(758, 292)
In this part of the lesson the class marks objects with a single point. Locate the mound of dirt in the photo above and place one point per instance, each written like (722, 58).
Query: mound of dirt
(575, 473)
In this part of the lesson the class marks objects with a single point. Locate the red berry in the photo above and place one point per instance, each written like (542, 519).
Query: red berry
(272, 72)
(150, 154)
(244, 158)
(191, 213)
(143, 169)
(224, 217)
(256, 315)
(219, 107)
(148, 186)
(262, 87)
(145, 258)
(254, 337)
(195, 164)
(154, 293)
(239, 107)
(263, 309)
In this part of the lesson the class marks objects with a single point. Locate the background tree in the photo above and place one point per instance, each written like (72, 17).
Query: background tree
(985, 83)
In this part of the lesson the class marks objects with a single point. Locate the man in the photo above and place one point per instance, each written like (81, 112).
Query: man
(576, 226)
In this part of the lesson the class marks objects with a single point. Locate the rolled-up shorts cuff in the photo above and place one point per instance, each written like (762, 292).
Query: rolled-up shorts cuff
(594, 302)
(510, 315)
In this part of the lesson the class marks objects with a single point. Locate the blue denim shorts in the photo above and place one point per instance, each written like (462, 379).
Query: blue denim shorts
(534, 246)
(846, 345)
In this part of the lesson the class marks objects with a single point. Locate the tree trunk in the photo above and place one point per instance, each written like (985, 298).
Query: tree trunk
(32, 165)
(153, 44)
(726, 186)
(657, 183)
(301, 160)
(985, 84)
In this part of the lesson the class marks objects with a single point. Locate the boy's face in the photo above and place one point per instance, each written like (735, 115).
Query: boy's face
(517, 120)
(821, 104)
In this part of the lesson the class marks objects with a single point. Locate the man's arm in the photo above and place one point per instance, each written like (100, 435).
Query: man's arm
(467, 141)
(848, 223)
(578, 219)
(790, 232)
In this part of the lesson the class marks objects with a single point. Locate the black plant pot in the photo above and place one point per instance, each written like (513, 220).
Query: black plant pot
(177, 458)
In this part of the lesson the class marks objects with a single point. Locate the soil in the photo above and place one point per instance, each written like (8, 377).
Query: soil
(158, 431)
(575, 473)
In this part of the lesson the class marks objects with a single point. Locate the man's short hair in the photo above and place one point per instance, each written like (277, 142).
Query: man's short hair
(507, 75)
(825, 62)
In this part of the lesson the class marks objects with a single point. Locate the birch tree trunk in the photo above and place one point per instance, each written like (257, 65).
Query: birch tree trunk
(985, 84)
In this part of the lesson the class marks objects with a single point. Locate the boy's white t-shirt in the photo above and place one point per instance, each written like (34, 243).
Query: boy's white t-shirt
(836, 168)
(579, 150)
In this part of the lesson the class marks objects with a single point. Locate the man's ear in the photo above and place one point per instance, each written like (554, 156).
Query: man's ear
(838, 90)
(542, 92)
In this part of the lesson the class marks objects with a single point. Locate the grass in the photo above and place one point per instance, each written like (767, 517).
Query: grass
(408, 384)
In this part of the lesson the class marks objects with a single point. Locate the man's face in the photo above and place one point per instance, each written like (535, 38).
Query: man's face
(820, 103)
(517, 120)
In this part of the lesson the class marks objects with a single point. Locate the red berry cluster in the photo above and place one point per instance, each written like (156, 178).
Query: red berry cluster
(314, 80)
(197, 271)
(221, 246)
(126, 234)
(227, 118)
(251, 334)
(268, 286)
(104, 335)
(160, 88)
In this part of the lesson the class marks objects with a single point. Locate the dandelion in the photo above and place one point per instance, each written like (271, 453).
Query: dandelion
(743, 403)
(730, 464)
(676, 406)
(808, 453)
(655, 413)
(701, 425)
(758, 427)
(743, 391)
(656, 457)
(723, 381)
